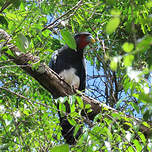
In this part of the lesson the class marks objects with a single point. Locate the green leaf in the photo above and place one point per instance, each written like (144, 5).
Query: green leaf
(145, 98)
(128, 60)
(112, 25)
(35, 66)
(89, 110)
(87, 106)
(135, 106)
(128, 47)
(110, 2)
(9, 52)
(128, 124)
(76, 130)
(142, 137)
(144, 43)
(80, 102)
(149, 4)
(72, 108)
(146, 124)
(60, 148)
(62, 109)
(113, 65)
(98, 117)
(130, 149)
(26, 112)
(68, 38)
(22, 42)
(115, 12)
(72, 121)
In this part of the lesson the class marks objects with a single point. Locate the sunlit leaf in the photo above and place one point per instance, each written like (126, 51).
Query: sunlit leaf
(87, 106)
(10, 52)
(130, 149)
(98, 117)
(144, 43)
(135, 106)
(76, 130)
(142, 137)
(149, 4)
(61, 148)
(110, 2)
(62, 109)
(113, 65)
(112, 25)
(128, 124)
(115, 12)
(72, 107)
(146, 124)
(128, 47)
(80, 102)
(128, 60)
(68, 38)
(146, 98)
(22, 42)
(72, 121)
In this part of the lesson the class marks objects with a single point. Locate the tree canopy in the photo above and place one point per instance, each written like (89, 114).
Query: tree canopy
(119, 67)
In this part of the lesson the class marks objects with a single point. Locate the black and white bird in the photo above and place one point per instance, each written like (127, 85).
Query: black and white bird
(70, 64)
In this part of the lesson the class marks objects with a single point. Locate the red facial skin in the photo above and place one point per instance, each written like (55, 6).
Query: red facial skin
(82, 43)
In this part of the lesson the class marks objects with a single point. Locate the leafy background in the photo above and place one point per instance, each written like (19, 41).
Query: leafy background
(119, 73)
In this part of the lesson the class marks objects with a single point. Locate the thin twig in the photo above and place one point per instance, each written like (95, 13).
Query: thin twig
(73, 8)
(19, 95)
(10, 66)
(58, 23)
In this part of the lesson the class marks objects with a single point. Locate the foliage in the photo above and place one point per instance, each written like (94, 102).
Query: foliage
(119, 74)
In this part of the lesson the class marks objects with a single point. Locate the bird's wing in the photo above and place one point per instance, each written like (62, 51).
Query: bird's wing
(59, 60)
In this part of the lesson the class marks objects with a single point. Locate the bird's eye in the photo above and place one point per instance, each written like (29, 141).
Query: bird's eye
(90, 39)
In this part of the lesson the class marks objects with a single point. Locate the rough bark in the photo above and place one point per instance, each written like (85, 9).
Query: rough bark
(55, 85)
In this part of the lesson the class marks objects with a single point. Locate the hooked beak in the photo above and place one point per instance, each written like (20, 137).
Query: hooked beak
(93, 40)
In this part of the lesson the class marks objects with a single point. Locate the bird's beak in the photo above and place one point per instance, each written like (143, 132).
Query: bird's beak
(93, 40)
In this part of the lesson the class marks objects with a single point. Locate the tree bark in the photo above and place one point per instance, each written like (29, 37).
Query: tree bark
(52, 82)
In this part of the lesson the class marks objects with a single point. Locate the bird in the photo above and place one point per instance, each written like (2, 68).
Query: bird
(70, 64)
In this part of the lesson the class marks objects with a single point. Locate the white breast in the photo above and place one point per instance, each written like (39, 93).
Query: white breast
(70, 77)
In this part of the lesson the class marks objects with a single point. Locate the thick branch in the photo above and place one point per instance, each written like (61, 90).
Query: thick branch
(53, 83)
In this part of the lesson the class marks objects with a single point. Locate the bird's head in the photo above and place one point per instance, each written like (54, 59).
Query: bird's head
(83, 39)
